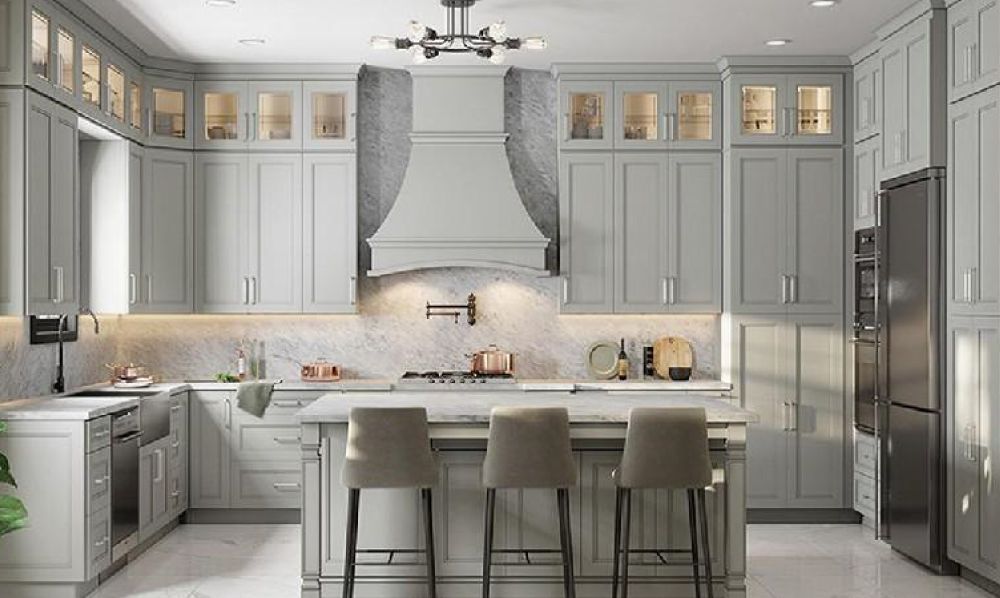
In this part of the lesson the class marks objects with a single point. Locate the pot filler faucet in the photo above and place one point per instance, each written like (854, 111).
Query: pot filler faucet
(59, 386)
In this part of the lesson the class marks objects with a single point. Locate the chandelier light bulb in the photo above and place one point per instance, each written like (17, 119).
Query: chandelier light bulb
(534, 43)
(499, 55)
(417, 31)
(382, 42)
(498, 31)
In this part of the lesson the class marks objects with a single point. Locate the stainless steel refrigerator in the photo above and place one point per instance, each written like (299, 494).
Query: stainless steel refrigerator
(911, 388)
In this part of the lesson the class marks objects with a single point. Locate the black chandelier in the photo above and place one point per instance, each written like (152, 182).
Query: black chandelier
(490, 43)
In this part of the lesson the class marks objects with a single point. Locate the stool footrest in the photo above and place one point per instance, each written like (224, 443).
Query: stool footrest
(659, 555)
(391, 560)
(527, 556)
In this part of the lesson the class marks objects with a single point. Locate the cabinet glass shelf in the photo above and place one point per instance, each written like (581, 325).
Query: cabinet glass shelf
(815, 110)
(759, 110)
(169, 113)
(221, 116)
(587, 116)
(640, 121)
(274, 116)
(329, 116)
(694, 116)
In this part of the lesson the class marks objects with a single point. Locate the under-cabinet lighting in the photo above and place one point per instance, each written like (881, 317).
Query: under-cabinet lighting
(253, 41)
(220, 3)
(823, 3)
(777, 43)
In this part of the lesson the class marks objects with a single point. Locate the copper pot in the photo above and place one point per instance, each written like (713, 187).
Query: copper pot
(320, 371)
(492, 361)
(126, 373)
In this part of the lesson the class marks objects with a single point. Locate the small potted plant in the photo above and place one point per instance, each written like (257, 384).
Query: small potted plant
(13, 515)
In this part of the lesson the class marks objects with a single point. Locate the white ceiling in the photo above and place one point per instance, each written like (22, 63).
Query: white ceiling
(577, 30)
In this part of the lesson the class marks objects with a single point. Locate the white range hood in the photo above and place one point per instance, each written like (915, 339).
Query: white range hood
(458, 205)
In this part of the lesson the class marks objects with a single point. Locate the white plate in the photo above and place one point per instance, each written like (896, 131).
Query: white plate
(602, 360)
(137, 383)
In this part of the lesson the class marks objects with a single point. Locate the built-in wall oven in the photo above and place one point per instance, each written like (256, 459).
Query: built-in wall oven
(866, 327)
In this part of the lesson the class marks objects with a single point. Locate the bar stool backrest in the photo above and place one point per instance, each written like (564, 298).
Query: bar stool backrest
(666, 448)
(388, 448)
(529, 448)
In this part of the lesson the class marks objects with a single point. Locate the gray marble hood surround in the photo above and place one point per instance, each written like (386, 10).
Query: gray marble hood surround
(518, 312)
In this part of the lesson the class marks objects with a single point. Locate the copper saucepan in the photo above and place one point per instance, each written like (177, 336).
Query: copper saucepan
(126, 373)
(492, 362)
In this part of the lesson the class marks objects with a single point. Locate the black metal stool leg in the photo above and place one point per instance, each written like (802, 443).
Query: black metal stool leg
(491, 503)
(693, 528)
(618, 543)
(704, 540)
(566, 534)
(425, 494)
(351, 547)
(626, 540)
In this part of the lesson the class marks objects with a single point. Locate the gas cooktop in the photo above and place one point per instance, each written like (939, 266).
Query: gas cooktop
(455, 378)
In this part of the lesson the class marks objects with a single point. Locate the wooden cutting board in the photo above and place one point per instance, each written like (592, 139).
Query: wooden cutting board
(671, 352)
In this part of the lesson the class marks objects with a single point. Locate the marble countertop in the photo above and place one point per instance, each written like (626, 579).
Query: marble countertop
(65, 408)
(474, 408)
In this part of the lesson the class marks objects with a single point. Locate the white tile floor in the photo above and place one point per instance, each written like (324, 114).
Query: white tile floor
(814, 561)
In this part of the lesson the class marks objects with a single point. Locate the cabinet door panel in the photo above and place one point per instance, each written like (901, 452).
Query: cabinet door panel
(816, 109)
(815, 235)
(963, 33)
(758, 230)
(167, 281)
(222, 115)
(963, 204)
(223, 228)
(64, 225)
(641, 115)
(459, 512)
(695, 233)
(759, 359)
(695, 115)
(894, 94)
(275, 224)
(41, 281)
(866, 181)
(210, 452)
(987, 444)
(867, 93)
(963, 483)
(587, 232)
(916, 141)
(817, 420)
(987, 275)
(586, 108)
(136, 188)
(275, 110)
(641, 233)
(987, 57)
(760, 110)
(330, 234)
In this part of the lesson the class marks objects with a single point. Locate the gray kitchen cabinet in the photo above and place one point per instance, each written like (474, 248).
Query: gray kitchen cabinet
(867, 98)
(53, 208)
(914, 95)
(773, 109)
(166, 277)
(11, 202)
(330, 233)
(867, 178)
(178, 455)
(587, 115)
(789, 370)
(211, 422)
(153, 512)
(586, 211)
(169, 112)
(972, 440)
(694, 212)
(974, 205)
(865, 487)
(677, 115)
(329, 115)
(261, 115)
(784, 231)
(249, 223)
(640, 233)
(973, 47)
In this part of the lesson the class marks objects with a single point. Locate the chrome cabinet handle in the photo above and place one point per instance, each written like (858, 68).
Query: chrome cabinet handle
(149, 288)
(565, 292)
(60, 281)
(254, 126)
(793, 410)
(664, 119)
(246, 134)
(784, 416)
(970, 442)
(790, 121)
(973, 285)
(664, 291)
(149, 121)
(175, 408)
(159, 466)
(353, 291)
(256, 294)
(784, 289)
(246, 290)
(287, 486)
(227, 413)
(287, 439)
(973, 61)
(672, 290)
(175, 494)
(133, 289)
(102, 434)
(793, 288)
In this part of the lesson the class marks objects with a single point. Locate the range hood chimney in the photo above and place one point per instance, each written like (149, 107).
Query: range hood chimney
(458, 205)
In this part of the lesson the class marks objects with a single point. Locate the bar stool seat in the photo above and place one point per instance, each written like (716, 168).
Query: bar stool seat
(388, 448)
(665, 449)
(530, 448)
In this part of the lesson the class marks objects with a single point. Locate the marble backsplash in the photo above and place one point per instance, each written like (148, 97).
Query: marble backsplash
(518, 313)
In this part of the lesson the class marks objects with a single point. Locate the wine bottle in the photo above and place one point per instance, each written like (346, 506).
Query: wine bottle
(622, 362)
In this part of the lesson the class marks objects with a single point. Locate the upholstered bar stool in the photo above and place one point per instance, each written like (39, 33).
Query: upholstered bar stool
(388, 448)
(665, 449)
(530, 448)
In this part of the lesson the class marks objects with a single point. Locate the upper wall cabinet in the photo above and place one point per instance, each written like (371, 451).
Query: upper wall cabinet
(867, 99)
(662, 115)
(53, 63)
(914, 121)
(264, 115)
(973, 47)
(867, 161)
(587, 115)
(168, 114)
(786, 110)
(329, 115)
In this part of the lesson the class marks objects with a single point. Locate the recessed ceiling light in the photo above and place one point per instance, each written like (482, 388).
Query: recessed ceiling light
(220, 3)
(823, 3)
(253, 41)
(778, 42)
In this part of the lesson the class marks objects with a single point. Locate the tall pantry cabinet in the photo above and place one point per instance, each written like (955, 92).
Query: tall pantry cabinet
(973, 272)
(783, 326)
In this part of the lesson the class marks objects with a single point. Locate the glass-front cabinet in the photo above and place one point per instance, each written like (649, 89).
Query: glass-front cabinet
(223, 115)
(667, 115)
(135, 105)
(640, 114)
(329, 114)
(787, 110)
(276, 110)
(41, 41)
(241, 115)
(169, 102)
(586, 120)
(91, 81)
(66, 61)
(116, 92)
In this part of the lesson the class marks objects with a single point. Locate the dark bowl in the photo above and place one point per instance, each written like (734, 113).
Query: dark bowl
(680, 374)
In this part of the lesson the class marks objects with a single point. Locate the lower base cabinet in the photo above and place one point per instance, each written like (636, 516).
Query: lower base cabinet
(239, 461)
(790, 370)
(163, 468)
(973, 438)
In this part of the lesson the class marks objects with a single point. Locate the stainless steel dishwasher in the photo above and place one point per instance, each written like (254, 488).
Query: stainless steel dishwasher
(125, 434)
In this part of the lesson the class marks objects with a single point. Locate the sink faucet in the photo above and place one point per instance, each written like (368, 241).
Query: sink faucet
(59, 386)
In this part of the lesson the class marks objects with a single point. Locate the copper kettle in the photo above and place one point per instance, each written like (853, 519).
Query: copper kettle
(492, 362)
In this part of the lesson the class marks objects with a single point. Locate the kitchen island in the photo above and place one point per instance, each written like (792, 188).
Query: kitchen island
(459, 425)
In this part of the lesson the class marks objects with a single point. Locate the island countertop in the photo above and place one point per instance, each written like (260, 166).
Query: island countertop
(474, 407)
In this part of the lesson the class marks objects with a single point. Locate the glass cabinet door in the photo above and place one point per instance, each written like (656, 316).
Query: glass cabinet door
(814, 110)
(41, 35)
(640, 114)
(169, 113)
(328, 114)
(694, 115)
(91, 76)
(759, 110)
(275, 107)
(116, 92)
(222, 116)
(135, 105)
(66, 55)
(586, 107)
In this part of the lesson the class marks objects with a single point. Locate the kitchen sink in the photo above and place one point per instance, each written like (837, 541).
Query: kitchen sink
(124, 392)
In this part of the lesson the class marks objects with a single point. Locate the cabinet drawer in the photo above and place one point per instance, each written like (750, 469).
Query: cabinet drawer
(267, 485)
(865, 496)
(98, 433)
(99, 480)
(291, 402)
(865, 454)
(98, 542)
(262, 440)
